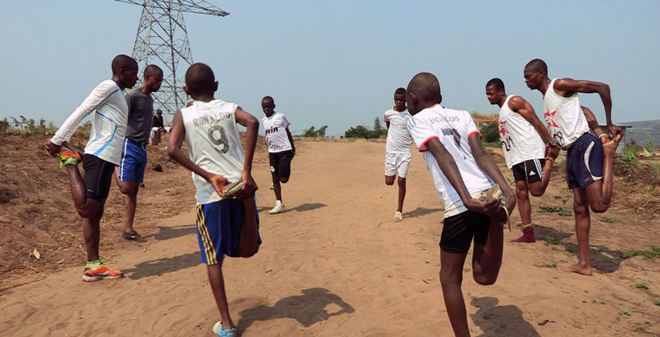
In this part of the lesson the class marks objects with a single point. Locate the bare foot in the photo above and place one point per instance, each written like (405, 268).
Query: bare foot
(579, 269)
(610, 147)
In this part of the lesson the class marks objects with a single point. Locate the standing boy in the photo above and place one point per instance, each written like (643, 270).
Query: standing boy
(523, 150)
(225, 226)
(588, 161)
(134, 152)
(397, 151)
(281, 149)
(102, 155)
(461, 171)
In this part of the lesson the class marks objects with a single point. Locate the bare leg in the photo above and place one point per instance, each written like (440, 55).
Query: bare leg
(277, 188)
(402, 193)
(582, 226)
(451, 278)
(92, 234)
(389, 180)
(218, 287)
(130, 203)
(487, 259)
(599, 193)
(525, 209)
(86, 207)
(249, 239)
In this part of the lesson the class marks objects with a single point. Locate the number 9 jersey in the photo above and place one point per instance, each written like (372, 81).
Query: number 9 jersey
(213, 144)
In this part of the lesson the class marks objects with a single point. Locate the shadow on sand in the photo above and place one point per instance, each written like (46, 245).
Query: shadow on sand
(163, 266)
(602, 258)
(166, 233)
(308, 309)
(497, 320)
(420, 211)
(308, 207)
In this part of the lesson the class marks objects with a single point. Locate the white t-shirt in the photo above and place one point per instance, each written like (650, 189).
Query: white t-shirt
(520, 140)
(452, 128)
(276, 136)
(108, 123)
(566, 121)
(398, 138)
(213, 144)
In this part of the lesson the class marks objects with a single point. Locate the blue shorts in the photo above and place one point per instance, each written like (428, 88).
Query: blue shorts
(584, 162)
(219, 227)
(133, 161)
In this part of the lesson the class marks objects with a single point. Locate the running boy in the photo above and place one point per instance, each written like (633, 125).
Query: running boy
(523, 149)
(225, 226)
(461, 170)
(130, 174)
(397, 151)
(281, 149)
(588, 161)
(102, 155)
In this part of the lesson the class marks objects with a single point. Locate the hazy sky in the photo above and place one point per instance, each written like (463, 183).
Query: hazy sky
(337, 63)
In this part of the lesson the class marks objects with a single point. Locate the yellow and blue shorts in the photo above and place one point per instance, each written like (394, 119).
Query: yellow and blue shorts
(219, 227)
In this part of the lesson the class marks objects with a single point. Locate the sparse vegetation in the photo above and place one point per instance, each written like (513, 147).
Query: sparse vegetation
(27, 127)
(313, 132)
(362, 131)
(568, 249)
(551, 265)
(490, 133)
(560, 211)
(641, 285)
(551, 240)
(608, 220)
(625, 312)
(647, 254)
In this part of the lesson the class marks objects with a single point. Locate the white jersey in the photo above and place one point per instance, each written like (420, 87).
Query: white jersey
(452, 128)
(566, 121)
(110, 110)
(213, 144)
(276, 135)
(520, 140)
(398, 138)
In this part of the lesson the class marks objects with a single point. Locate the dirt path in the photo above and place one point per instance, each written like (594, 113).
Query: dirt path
(336, 265)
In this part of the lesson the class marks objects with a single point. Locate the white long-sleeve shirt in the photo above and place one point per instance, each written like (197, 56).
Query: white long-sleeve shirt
(110, 110)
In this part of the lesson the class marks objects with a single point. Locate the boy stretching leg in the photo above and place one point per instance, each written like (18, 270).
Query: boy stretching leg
(225, 225)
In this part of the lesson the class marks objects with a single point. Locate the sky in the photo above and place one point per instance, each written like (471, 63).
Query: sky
(337, 63)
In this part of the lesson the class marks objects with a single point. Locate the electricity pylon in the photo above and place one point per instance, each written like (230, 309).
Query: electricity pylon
(162, 39)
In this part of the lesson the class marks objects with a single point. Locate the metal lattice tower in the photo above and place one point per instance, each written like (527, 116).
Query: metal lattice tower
(162, 39)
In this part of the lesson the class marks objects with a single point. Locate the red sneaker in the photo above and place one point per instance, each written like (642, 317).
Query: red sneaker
(527, 237)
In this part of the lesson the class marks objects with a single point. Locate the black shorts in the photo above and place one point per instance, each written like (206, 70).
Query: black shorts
(529, 171)
(584, 162)
(280, 163)
(458, 231)
(98, 177)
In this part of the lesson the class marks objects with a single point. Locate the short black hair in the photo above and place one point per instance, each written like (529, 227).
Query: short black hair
(152, 70)
(122, 61)
(268, 98)
(199, 79)
(537, 64)
(496, 83)
(400, 91)
(426, 86)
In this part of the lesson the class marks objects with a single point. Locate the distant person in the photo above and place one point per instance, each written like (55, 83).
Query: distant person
(397, 151)
(462, 170)
(158, 127)
(523, 149)
(130, 173)
(588, 161)
(281, 149)
(102, 155)
(226, 225)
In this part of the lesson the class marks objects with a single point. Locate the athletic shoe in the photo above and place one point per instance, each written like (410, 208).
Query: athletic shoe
(398, 216)
(527, 237)
(217, 329)
(68, 155)
(100, 273)
(279, 208)
(132, 235)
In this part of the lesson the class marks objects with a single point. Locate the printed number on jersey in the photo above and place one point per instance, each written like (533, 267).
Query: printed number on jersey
(507, 143)
(218, 137)
(559, 138)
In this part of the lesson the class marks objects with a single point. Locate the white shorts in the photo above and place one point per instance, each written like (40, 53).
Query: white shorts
(397, 163)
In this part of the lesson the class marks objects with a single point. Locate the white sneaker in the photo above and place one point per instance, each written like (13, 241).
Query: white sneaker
(279, 207)
(398, 216)
(272, 186)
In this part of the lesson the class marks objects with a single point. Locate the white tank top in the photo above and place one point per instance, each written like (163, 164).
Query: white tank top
(520, 141)
(213, 144)
(566, 121)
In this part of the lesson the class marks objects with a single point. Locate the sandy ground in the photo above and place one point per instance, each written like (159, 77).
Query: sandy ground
(336, 264)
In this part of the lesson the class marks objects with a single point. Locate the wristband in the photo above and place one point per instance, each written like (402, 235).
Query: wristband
(602, 135)
(552, 160)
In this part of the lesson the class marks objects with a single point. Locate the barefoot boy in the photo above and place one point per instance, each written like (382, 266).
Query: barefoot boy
(461, 171)
(397, 151)
(226, 226)
(588, 161)
(523, 149)
(102, 155)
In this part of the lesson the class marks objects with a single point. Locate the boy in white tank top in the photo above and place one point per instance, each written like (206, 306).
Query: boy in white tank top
(226, 224)
(589, 160)
(523, 150)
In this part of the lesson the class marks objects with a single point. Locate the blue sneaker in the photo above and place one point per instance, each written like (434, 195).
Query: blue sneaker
(217, 329)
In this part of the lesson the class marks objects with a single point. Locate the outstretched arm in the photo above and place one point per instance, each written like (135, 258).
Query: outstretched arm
(178, 132)
(569, 86)
(488, 165)
(450, 170)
